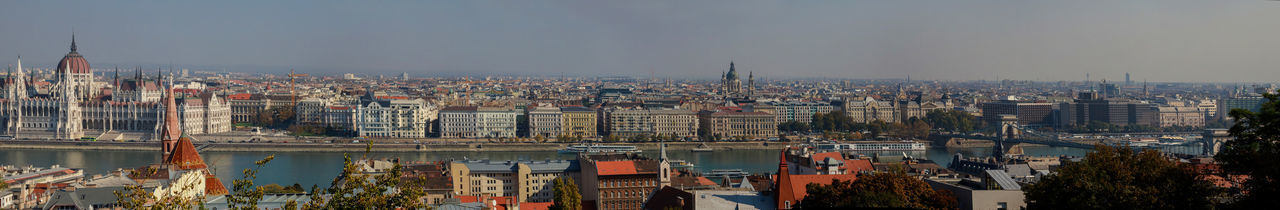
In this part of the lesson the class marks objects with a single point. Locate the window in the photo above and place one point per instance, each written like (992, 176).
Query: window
(1002, 206)
(786, 204)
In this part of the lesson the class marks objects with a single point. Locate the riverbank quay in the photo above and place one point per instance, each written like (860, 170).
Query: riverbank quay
(362, 146)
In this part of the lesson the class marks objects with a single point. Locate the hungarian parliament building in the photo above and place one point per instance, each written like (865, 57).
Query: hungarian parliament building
(71, 105)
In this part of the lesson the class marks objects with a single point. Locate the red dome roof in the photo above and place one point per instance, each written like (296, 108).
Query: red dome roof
(74, 61)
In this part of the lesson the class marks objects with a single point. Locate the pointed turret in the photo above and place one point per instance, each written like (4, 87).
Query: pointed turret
(783, 179)
(170, 131)
(73, 42)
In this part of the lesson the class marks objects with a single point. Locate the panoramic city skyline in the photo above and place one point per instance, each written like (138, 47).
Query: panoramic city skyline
(1182, 41)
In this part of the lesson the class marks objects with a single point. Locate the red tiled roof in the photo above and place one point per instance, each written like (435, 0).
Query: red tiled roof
(702, 180)
(239, 96)
(184, 156)
(823, 156)
(213, 186)
(501, 201)
(536, 206)
(616, 167)
(798, 182)
(854, 166)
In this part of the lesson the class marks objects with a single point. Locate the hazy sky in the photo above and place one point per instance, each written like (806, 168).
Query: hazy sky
(1156, 40)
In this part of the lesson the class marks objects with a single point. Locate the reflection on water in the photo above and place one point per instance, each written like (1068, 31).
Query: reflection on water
(319, 168)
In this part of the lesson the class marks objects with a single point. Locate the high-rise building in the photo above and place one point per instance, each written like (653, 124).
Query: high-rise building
(1108, 110)
(1252, 103)
(1027, 112)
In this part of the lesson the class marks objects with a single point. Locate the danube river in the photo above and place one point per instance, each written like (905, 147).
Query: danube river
(319, 168)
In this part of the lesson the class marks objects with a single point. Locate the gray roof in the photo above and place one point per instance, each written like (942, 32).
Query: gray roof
(1018, 170)
(460, 206)
(109, 181)
(84, 198)
(270, 201)
(1003, 180)
(718, 199)
(546, 166)
(576, 109)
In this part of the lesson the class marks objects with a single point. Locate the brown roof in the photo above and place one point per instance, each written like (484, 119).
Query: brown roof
(213, 186)
(184, 156)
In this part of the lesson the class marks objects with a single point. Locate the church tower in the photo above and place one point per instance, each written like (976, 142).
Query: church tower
(170, 131)
(732, 85)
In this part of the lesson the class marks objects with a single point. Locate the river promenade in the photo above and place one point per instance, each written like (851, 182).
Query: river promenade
(347, 146)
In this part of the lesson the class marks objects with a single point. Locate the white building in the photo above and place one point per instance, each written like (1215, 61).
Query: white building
(545, 121)
(495, 122)
(394, 119)
(458, 122)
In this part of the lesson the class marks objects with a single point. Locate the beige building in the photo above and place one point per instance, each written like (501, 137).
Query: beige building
(578, 121)
(545, 121)
(869, 110)
(530, 181)
(677, 122)
(625, 122)
(1179, 116)
(730, 125)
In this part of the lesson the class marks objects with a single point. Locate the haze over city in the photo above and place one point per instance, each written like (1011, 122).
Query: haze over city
(1159, 41)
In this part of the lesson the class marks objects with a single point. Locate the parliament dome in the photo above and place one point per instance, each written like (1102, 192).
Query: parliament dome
(74, 61)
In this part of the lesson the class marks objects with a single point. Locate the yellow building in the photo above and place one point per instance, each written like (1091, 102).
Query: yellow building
(530, 181)
(578, 121)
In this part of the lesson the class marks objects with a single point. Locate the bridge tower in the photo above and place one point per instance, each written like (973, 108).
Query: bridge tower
(1212, 140)
(1009, 129)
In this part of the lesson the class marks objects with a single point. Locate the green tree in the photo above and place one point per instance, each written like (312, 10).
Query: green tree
(881, 190)
(1252, 155)
(951, 120)
(354, 189)
(134, 197)
(1120, 178)
(243, 194)
(566, 195)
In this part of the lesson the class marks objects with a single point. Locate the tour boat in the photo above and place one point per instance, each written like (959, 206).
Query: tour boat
(876, 146)
(596, 148)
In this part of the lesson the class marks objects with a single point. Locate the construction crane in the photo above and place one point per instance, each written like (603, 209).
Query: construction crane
(293, 92)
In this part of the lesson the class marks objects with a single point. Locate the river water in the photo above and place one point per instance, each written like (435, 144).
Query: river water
(319, 168)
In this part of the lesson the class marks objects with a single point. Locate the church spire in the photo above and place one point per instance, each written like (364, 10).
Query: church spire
(73, 42)
(169, 131)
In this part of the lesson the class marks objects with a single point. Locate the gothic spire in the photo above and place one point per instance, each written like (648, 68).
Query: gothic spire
(73, 42)
(117, 78)
(170, 131)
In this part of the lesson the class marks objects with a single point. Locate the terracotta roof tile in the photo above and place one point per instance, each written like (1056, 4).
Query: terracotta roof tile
(798, 182)
(184, 156)
(213, 186)
(616, 167)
